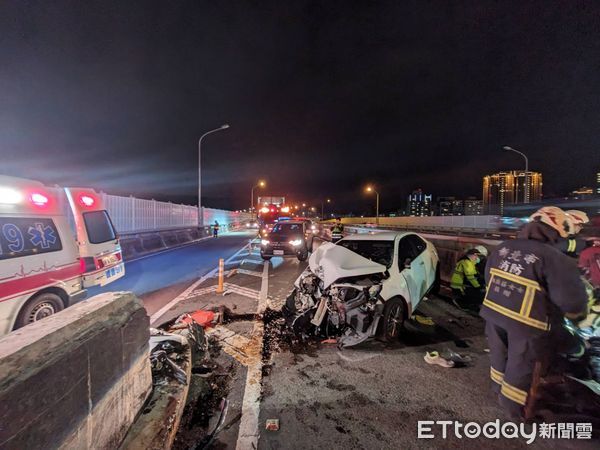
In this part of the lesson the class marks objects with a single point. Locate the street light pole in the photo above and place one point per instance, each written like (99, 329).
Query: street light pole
(377, 208)
(322, 208)
(200, 215)
(506, 147)
(370, 189)
(260, 184)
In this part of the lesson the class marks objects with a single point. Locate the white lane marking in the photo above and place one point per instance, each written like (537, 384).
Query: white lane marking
(185, 294)
(253, 273)
(247, 292)
(249, 426)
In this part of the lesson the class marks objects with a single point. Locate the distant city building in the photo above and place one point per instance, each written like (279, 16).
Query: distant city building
(419, 204)
(445, 206)
(598, 183)
(451, 206)
(581, 193)
(510, 188)
(473, 206)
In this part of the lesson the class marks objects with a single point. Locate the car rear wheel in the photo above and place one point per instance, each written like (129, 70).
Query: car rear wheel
(38, 308)
(393, 319)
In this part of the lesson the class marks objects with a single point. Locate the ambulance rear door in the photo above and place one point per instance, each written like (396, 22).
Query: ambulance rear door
(97, 238)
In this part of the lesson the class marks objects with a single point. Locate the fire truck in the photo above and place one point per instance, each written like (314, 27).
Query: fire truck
(54, 244)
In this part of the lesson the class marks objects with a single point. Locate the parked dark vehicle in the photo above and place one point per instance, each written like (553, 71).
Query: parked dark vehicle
(289, 238)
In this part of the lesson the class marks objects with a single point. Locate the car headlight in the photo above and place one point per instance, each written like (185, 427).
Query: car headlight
(375, 290)
(296, 242)
(264, 242)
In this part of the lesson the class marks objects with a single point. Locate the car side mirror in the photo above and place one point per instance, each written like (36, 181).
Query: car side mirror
(407, 262)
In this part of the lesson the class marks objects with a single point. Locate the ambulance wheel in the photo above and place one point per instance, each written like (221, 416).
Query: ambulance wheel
(393, 319)
(38, 308)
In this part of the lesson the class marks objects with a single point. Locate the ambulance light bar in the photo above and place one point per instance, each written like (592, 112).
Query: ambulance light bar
(86, 200)
(38, 199)
(10, 196)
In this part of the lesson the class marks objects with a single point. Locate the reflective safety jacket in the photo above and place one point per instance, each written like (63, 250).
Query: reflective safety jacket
(338, 228)
(530, 286)
(465, 270)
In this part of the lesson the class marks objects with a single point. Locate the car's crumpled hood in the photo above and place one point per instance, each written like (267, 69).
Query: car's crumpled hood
(331, 262)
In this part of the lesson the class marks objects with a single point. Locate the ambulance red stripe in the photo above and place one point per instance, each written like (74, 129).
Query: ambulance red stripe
(21, 286)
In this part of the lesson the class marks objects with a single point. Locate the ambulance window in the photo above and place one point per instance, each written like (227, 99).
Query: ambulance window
(20, 236)
(99, 227)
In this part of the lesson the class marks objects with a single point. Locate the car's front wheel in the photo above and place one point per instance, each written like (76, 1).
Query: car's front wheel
(393, 319)
(303, 255)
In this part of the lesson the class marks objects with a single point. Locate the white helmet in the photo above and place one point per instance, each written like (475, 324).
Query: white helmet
(555, 218)
(482, 250)
(576, 220)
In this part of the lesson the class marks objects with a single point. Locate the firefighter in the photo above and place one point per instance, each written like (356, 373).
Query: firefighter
(216, 227)
(571, 245)
(337, 232)
(530, 287)
(465, 283)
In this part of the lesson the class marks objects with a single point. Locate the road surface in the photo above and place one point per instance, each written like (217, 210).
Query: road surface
(160, 277)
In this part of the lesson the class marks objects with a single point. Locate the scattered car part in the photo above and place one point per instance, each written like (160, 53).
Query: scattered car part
(272, 425)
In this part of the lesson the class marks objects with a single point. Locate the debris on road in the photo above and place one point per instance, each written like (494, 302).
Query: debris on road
(423, 320)
(272, 425)
(167, 355)
(434, 358)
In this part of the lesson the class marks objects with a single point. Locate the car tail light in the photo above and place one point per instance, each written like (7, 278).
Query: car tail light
(87, 264)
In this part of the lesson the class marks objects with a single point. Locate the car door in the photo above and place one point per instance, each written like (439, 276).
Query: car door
(407, 266)
(421, 266)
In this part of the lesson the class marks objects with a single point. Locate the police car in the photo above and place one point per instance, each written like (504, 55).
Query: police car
(54, 243)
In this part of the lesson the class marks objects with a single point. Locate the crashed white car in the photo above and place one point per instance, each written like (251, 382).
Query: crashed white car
(364, 286)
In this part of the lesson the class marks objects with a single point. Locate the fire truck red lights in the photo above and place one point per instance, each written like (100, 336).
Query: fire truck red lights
(38, 199)
(86, 200)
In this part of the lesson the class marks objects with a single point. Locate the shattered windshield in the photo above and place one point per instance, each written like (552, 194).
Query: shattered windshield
(381, 252)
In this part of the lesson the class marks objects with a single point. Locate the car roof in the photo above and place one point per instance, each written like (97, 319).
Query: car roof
(380, 236)
(287, 222)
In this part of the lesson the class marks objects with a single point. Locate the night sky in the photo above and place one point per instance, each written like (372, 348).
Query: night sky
(322, 97)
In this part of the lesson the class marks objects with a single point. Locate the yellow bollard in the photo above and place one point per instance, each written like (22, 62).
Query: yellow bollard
(221, 273)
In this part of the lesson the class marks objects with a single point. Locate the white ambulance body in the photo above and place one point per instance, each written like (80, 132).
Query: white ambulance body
(54, 243)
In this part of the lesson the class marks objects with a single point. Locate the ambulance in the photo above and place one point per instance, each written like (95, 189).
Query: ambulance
(54, 244)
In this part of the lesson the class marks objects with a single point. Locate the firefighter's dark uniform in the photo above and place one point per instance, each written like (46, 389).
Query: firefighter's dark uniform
(530, 286)
(571, 246)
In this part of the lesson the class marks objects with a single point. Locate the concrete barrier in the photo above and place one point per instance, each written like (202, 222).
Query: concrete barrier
(77, 379)
(140, 244)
